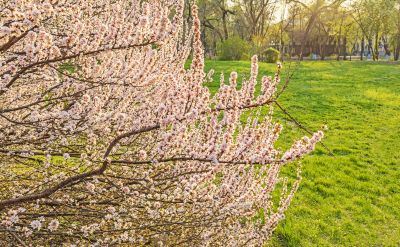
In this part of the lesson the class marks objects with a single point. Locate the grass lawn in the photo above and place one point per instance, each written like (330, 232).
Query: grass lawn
(353, 198)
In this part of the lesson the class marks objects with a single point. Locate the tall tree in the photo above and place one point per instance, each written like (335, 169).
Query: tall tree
(373, 18)
(256, 16)
(395, 31)
(313, 12)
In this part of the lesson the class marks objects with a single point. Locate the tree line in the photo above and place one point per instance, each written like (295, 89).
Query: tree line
(319, 29)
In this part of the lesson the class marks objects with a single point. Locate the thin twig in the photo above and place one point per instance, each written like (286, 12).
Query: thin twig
(301, 126)
(18, 239)
(289, 76)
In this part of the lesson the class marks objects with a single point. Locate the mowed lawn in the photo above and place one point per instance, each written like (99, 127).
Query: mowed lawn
(352, 198)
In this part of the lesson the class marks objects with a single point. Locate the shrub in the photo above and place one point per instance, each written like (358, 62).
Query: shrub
(271, 55)
(127, 148)
(233, 48)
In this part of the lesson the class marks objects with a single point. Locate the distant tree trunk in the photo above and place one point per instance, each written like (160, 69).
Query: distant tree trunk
(322, 50)
(204, 41)
(339, 39)
(225, 26)
(362, 49)
(337, 49)
(353, 49)
(351, 52)
(204, 34)
(281, 42)
(301, 50)
(345, 48)
(370, 50)
(310, 24)
(376, 48)
(225, 12)
(386, 46)
(397, 38)
(215, 47)
(397, 49)
(206, 23)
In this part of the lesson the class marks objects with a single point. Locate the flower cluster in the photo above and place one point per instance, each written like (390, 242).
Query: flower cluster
(107, 139)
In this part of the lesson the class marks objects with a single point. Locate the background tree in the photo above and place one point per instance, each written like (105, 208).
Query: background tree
(312, 14)
(373, 18)
(395, 30)
(256, 16)
(215, 18)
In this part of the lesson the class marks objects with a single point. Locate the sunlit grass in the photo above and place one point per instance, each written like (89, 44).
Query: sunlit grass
(353, 198)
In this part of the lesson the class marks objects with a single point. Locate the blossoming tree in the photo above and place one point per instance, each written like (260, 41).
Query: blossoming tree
(105, 137)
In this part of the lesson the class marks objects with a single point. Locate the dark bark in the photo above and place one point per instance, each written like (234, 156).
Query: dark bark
(337, 49)
(310, 25)
(396, 53)
(386, 46)
(362, 48)
(225, 25)
(370, 50)
(207, 23)
(225, 12)
(375, 50)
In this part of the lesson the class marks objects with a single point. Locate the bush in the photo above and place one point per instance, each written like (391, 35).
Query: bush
(191, 175)
(233, 48)
(271, 55)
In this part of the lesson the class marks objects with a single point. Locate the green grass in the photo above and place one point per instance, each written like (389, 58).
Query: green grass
(353, 198)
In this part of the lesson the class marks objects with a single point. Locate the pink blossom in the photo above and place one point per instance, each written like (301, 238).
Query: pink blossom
(36, 225)
(159, 153)
(53, 225)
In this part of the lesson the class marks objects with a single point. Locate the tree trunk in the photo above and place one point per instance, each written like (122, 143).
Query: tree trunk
(362, 49)
(397, 41)
(281, 44)
(338, 41)
(226, 35)
(397, 48)
(310, 24)
(321, 50)
(386, 46)
(370, 50)
(376, 48)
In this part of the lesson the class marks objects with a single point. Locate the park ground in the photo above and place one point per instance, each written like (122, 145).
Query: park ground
(353, 197)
